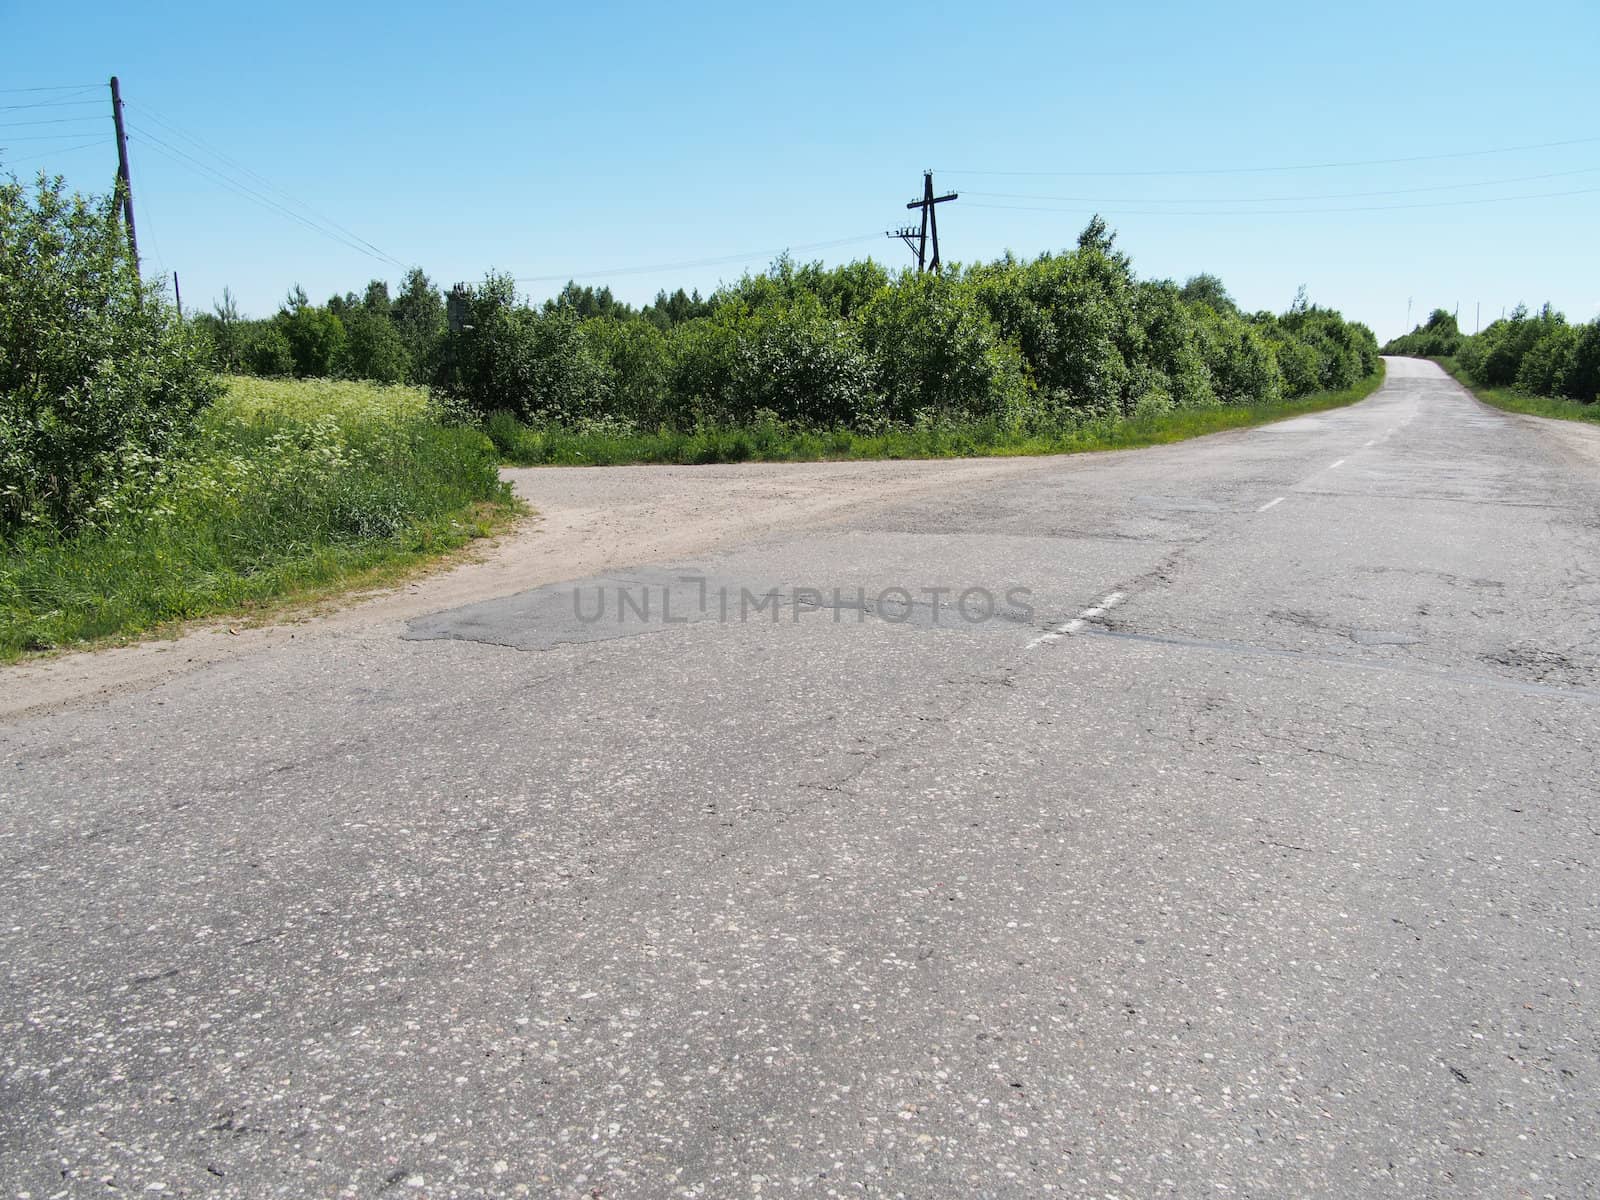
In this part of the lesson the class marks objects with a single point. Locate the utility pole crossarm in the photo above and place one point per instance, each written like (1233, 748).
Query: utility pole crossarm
(917, 238)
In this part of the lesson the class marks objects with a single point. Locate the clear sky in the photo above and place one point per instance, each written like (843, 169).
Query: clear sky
(602, 138)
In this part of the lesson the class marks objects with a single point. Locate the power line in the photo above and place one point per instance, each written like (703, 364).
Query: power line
(206, 147)
(68, 150)
(50, 121)
(45, 137)
(1265, 212)
(1436, 187)
(724, 260)
(62, 87)
(1322, 166)
(172, 152)
(49, 104)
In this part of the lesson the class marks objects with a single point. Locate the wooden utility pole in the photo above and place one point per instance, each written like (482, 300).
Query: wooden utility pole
(124, 184)
(917, 238)
(177, 296)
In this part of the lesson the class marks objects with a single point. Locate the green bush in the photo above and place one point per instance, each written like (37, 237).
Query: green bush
(316, 336)
(1438, 337)
(799, 365)
(1243, 368)
(1494, 357)
(1543, 369)
(1580, 379)
(935, 352)
(1173, 345)
(1538, 355)
(1074, 318)
(372, 348)
(638, 360)
(98, 377)
(267, 351)
(1040, 345)
(507, 355)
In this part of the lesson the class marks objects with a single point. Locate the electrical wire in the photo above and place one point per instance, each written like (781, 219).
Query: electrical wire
(51, 121)
(723, 260)
(50, 104)
(65, 136)
(177, 156)
(204, 146)
(104, 141)
(1437, 187)
(1264, 212)
(166, 150)
(1322, 166)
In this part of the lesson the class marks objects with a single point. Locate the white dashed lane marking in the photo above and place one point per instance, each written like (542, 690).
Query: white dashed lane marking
(1079, 621)
(1339, 463)
(1270, 503)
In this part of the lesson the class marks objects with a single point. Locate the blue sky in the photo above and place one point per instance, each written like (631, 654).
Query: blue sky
(550, 140)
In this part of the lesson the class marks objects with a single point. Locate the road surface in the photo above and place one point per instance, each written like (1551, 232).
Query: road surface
(1246, 847)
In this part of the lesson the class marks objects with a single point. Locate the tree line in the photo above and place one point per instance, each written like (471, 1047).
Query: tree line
(1540, 353)
(1030, 343)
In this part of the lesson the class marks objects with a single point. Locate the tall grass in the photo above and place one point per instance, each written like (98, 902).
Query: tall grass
(612, 443)
(249, 398)
(290, 490)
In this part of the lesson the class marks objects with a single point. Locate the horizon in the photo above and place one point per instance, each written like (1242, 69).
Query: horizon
(682, 153)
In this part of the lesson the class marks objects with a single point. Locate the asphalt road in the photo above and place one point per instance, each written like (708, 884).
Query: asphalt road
(1248, 850)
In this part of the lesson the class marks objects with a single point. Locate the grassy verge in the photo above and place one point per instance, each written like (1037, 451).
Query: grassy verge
(291, 491)
(1512, 400)
(520, 445)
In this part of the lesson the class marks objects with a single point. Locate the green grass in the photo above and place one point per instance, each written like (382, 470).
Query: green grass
(292, 491)
(521, 445)
(1512, 400)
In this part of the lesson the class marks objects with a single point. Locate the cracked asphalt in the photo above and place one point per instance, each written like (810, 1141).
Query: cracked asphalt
(1248, 850)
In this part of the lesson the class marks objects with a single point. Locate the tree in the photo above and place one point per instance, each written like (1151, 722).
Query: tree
(418, 316)
(1581, 379)
(225, 327)
(372, 348)
(666, 311)
(98, 377)
(376, 300)
(1207, 289)
(315, 335)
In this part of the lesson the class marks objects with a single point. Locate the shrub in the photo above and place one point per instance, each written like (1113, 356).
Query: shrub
(934, 350)
(637, 357)
(97, 375)
(1543, 369)
(1438, 337)
(1243, 370)
(1494, 357)
(267, 351)
(509, 356)
(316, 336)
(1580, 378)
(372, 348)
(1043, 345)
(798, 364)
(1073, 316)
(1172, 342)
